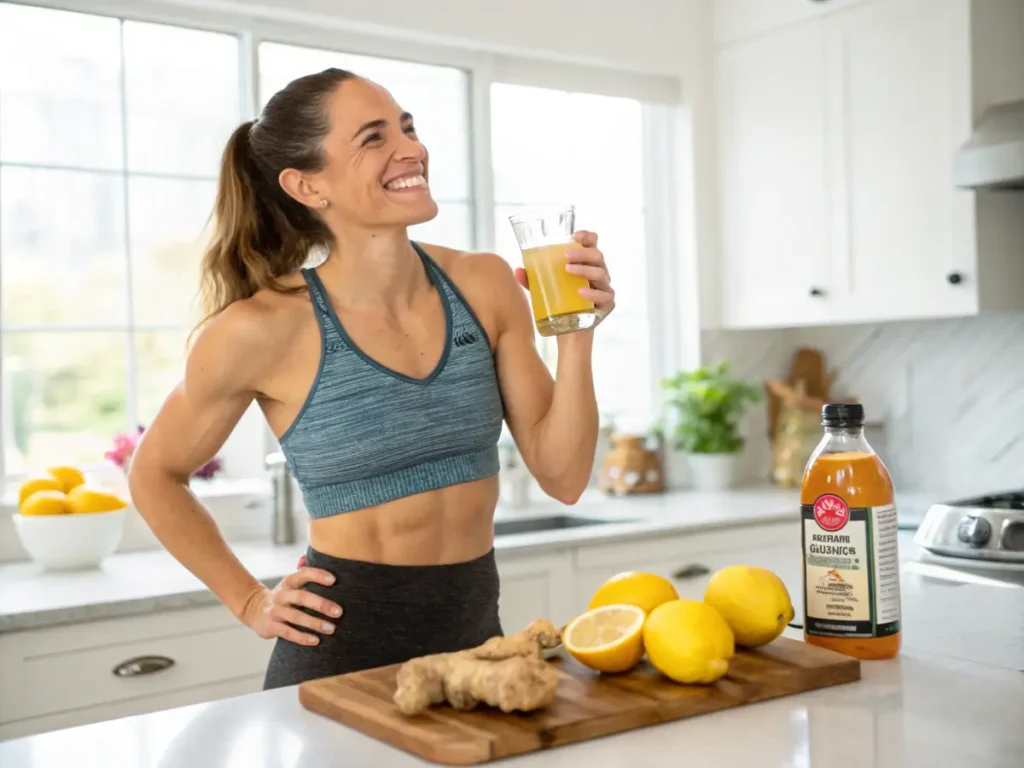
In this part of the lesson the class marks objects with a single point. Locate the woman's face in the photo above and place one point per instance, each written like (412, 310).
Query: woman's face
(377, 169)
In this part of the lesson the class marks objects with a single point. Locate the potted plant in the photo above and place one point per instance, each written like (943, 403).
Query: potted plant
(706, 406)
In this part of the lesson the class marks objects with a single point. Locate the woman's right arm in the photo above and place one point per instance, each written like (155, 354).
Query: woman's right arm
(192, 425)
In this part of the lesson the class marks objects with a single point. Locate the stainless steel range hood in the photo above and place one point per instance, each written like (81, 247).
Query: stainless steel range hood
(993, 158)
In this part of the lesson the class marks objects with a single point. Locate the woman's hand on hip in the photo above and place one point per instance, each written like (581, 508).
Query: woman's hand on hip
(587, 261)
(271, 612)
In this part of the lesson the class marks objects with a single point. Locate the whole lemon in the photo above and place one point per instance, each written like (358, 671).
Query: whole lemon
(47, 502)
(753, 601)
(644, 590)
(688, 642)
(69, 477)
(84, 500)
(43, 482)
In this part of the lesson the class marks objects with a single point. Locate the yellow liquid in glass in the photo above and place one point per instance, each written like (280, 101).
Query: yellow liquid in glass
(553, 291)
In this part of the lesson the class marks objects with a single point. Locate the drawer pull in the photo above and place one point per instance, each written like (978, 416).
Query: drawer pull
(691, 572)
(143, 665)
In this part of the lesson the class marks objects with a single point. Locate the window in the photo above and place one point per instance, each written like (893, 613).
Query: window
(111, 132)
(438, 99)
(110, 140)
(554, 147)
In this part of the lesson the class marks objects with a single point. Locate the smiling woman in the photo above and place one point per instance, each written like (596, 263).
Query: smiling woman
(385, 371)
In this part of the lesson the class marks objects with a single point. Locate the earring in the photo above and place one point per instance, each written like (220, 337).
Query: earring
(323, 202)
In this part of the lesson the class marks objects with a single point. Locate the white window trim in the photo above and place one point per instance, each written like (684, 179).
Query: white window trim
(339, 35)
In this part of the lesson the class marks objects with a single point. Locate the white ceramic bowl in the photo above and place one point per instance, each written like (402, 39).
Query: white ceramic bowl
(70, 542)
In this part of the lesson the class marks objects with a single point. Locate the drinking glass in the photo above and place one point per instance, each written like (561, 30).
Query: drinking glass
(544, 238)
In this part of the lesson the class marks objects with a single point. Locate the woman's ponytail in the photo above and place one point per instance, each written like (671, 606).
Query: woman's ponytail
(260, 233)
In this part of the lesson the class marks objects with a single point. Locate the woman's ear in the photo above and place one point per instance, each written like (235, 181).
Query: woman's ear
(299, 188)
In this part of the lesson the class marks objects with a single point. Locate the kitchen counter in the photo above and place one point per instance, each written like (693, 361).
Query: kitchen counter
(954, 698)
(142, 582)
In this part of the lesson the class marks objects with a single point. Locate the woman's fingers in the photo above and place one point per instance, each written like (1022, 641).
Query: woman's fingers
(291, 634)
(596, 275)
(521, 277)
(304, 576)
(600, 298)
(299, 618)
(307, 599)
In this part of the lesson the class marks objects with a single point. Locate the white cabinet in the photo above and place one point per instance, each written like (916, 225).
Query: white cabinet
(835, 139)
(773, 203)
(535, 586)
(65, 676)
(899, 106)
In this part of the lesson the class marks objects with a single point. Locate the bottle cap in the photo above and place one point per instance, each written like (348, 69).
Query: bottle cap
(842, 415)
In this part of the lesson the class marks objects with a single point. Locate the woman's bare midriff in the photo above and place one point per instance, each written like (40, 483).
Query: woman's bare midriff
(450, 525)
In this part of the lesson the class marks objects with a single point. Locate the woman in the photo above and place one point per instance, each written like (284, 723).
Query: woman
(385, 372)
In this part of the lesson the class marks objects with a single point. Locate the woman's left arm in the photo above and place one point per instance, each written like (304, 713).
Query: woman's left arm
(554, 422)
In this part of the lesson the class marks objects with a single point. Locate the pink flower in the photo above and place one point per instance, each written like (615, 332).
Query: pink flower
(124, 448)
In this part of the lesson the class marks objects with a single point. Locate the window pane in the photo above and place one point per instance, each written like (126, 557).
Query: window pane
(167, 219)
(160, 357)
(182, 97)
(64, 396)
(594, 159)
(552, 146)
(60, 88)
(452, 227)
(62, 246)
(437, 97)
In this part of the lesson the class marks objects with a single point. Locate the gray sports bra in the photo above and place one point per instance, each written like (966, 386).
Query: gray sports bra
(367, 434)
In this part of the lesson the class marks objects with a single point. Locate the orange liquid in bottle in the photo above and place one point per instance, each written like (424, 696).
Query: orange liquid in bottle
(851, 558)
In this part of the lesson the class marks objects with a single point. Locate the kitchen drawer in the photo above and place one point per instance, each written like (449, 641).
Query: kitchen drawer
(739, 19)
(62, 669)
(679, 547)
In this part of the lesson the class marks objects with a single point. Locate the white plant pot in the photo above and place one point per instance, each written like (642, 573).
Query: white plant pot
(712, 471)
(677, 470)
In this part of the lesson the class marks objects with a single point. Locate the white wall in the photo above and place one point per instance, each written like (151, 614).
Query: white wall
(949, 392)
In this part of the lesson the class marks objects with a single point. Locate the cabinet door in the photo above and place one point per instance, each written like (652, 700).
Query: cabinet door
(771, 94)
(899, 104)
(534, 587)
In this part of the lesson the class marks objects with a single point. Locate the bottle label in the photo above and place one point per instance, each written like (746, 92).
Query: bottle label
(851, 569)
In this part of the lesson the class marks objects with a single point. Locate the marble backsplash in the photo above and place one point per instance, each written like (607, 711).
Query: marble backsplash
(947, 395)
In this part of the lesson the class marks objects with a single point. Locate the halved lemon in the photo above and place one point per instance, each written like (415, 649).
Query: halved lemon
(607, 639)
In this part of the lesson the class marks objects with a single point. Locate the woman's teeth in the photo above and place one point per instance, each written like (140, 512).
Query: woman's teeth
(406, 182)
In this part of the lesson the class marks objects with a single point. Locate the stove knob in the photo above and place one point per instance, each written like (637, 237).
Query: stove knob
(974, 531)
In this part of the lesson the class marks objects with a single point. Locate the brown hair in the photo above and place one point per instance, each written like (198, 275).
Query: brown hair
(260, 232)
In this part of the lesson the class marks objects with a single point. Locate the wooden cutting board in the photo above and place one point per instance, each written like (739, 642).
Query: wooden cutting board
(588, 705)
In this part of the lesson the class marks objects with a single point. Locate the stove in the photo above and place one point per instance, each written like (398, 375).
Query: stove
(986, 529)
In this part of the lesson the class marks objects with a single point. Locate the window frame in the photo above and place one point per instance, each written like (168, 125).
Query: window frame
(664, 271)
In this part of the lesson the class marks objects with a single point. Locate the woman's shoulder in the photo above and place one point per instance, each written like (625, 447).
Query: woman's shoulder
(256, 329)
(478, 269)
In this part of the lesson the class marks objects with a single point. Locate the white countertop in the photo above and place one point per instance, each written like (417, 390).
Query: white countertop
(141, 582)
(936, 706)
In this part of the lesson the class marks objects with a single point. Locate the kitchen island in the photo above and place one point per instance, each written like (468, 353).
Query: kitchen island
(955, 698)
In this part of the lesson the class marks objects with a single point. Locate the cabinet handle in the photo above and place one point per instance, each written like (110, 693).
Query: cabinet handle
(690, 572)
(817, 292)
(954, 278)
(143, 665)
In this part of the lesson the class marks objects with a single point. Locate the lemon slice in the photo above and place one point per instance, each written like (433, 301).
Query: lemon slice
(607, 639)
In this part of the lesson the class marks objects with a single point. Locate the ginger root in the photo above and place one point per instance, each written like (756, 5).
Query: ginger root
(505, 672)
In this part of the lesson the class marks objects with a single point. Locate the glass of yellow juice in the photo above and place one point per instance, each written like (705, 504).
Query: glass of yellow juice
(545, 237)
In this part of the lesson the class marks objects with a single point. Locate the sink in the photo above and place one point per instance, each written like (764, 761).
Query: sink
(546, 523)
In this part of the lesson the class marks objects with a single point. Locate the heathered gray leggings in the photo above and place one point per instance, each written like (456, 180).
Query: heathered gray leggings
(392, 613)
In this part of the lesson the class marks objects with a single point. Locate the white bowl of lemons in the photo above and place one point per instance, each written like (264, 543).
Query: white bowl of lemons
(65, 523)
